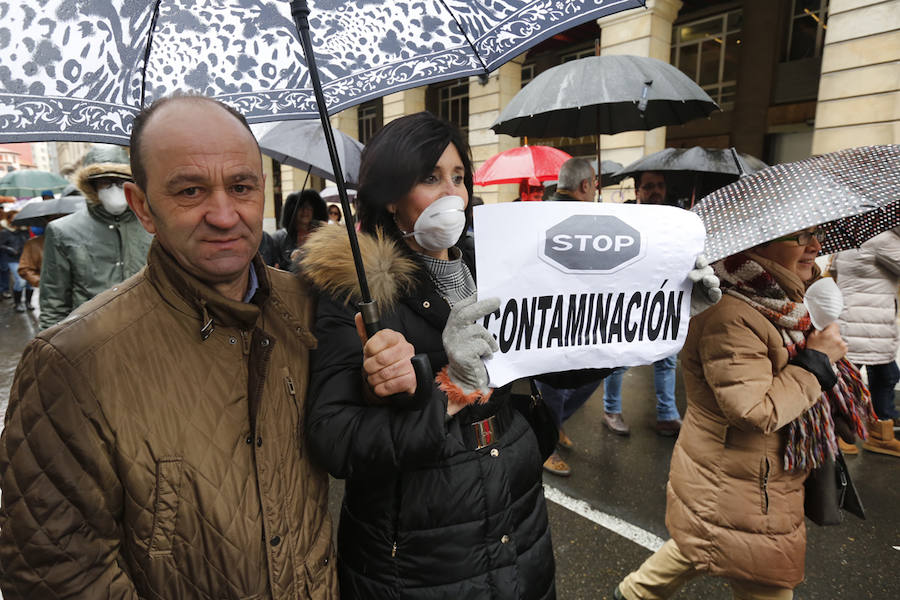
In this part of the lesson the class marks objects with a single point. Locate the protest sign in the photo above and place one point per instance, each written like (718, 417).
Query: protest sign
(584, 285)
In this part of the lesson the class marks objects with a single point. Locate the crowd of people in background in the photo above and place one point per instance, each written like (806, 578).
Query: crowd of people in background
(165, 282)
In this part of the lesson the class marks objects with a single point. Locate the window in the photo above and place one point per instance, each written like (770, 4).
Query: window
(370, 117)
(576, 55)
(807, 29)
(707, 51)
(527, 74)
(453, 103)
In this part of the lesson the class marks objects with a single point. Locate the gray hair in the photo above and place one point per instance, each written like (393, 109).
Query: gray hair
(573, 172)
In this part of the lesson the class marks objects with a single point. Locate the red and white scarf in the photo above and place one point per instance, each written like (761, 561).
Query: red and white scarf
(811, 436)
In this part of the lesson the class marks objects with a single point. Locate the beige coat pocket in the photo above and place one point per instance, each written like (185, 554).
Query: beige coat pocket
(165, 506)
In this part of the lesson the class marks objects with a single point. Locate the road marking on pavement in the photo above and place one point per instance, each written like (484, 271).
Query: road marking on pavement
(615, 524)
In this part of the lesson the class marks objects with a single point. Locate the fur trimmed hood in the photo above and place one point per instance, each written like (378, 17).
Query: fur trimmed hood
(327, 263)
(108, 169)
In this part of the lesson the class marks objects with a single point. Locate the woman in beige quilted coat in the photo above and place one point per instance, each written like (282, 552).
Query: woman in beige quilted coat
(733, 510)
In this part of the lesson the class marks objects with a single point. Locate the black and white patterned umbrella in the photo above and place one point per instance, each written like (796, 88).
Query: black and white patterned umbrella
(81, 70)
(854, 194)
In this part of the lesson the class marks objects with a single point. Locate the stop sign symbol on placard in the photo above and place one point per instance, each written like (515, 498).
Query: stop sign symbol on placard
(591, 244)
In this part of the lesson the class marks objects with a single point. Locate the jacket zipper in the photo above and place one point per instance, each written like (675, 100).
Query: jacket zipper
(765, 487)
(292, 392)
(398, 489)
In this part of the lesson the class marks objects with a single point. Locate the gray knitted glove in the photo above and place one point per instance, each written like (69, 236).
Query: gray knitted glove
(706, 291)
(468, 343)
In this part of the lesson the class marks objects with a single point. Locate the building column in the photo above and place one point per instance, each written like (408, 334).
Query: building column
(347, 121)
(639, 32)
(403, 103)
(485, 103)
(859, 88)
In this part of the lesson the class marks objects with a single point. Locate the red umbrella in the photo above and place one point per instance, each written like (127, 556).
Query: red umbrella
(540, 163)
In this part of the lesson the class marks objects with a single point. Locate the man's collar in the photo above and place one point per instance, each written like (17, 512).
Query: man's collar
(252, 285)
(189, 295)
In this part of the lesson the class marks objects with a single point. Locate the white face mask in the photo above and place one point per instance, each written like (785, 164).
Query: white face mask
(113, 199)
(440, 224)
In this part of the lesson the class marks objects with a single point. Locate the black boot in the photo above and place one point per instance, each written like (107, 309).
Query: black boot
(29, 292)
(17, 300)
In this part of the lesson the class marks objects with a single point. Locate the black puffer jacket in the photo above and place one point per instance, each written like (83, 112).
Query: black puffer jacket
(423, 517)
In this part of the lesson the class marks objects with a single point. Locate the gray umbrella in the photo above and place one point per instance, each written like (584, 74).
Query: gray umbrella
(694, 160)
(36, 214)
(694, 172)
(301, 144)
(604, 94)
(854, 194)
(610, 167)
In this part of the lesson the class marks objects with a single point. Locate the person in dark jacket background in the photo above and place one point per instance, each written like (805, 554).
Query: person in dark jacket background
(432, 509)
(12, 242)
(303, 213)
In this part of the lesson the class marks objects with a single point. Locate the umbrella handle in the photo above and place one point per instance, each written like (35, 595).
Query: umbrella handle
(371, 318)
(420, 363)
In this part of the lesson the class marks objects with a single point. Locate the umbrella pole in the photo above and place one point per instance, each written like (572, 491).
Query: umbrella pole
(599, 160)
(368, 307)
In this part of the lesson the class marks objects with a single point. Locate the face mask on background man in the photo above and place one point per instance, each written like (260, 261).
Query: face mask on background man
(112, 197)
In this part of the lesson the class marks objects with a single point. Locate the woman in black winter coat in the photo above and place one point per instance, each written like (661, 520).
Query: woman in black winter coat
(303, 213)
(444, 499)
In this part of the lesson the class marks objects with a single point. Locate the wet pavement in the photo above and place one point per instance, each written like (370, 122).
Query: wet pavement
(626, 477)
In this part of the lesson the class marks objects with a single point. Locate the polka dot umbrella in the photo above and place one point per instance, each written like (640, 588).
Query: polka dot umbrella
(854, 194)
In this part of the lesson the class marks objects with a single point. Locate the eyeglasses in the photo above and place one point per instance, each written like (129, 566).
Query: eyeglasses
(804, 237)
(650, 186)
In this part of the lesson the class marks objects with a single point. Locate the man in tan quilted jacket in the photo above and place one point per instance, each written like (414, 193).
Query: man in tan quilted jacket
(153, 445)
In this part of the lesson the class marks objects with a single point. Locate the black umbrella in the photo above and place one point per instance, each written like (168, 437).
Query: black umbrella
(607, 173)
(37, 213)
(604, 95)
(854, 194)
(694, 172)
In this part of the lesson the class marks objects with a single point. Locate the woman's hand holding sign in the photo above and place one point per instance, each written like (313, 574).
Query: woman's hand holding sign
(706, 290)
(468, 344)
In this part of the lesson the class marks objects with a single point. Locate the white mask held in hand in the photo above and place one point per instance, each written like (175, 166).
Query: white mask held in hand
(441, 224)
(113, 199)
(824, 301)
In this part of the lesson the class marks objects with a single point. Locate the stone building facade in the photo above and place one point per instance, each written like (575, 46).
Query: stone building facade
(793, 78)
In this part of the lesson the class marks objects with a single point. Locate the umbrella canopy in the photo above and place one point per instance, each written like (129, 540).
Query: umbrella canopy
(30, 182)
(540, 163)
(330, 193)
(610, 168)
(694, 160)
(82, 70)
(694, 172)
(854, 194)
(35, 214)
(604, 94)
(301, 144)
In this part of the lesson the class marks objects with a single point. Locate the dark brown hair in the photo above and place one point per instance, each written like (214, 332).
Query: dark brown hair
(400, 156)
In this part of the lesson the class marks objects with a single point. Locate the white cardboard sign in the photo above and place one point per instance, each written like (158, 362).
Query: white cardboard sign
(584, 285)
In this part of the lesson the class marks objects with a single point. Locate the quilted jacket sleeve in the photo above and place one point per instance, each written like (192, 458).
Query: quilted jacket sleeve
(56, 282)
(61, 498)
(347, 434)
(739, 370)
(886, 248)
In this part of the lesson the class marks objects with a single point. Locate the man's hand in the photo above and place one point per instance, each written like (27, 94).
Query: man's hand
(386, 361)
(828, 342)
